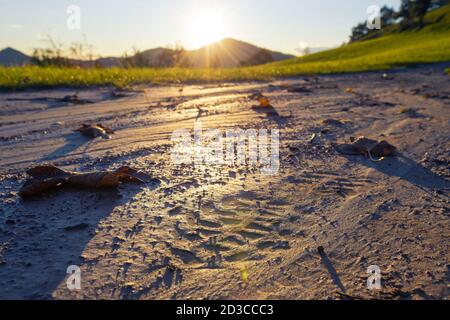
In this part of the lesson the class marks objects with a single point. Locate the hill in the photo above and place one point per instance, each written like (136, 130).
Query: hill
(391, 48)
(228, 53)
(12, 57)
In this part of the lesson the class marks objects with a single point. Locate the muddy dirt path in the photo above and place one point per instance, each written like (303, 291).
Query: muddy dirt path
(195, 234)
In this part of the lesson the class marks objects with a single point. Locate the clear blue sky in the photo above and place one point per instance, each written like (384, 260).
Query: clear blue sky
(114, 26)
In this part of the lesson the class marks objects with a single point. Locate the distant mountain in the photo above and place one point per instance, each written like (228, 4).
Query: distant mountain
(230, 53)
(227, 53)
(11, 57)
(158, 57)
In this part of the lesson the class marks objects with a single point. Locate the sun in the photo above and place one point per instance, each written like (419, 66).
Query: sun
(205, 27)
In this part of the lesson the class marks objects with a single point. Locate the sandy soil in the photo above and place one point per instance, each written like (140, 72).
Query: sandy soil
(192, 236)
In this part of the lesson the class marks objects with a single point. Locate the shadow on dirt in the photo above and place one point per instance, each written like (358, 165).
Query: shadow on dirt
(333, 273)
(50, 234)
(74, 142)
(406, 169)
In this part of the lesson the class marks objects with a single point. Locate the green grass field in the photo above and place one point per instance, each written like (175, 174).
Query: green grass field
(391, 50)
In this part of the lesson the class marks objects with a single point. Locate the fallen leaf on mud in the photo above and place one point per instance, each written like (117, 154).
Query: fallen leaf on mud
(94, 130)
(128, 174)
(264, 105)
(383, 149)
(46, 171)
(116, 94)
(48, 177)
(45, 178)
(349, 90)
(35, 186)
(96, 180)
(71, 98)
(367, 147)
(264, 102)
(74, 99)
(298, 90)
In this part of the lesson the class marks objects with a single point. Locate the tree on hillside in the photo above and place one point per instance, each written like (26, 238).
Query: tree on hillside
(405, 13)
(412, 12)
(438, 3)
(303, 51)
(420, 9)
(359, 32)
(388, 16)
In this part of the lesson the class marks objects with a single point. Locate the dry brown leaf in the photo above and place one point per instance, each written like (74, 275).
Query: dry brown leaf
(74, 99)
(349, 90)
(264, 102)
(367, 147)
(264, 105)
(298, 90)
(46, 171)
(94, 130)
(107, 130)
(35, 187)
(127, 174)
(383, 149)
(71, 98)
(91, 131)
(95, 180)
(47, 177)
